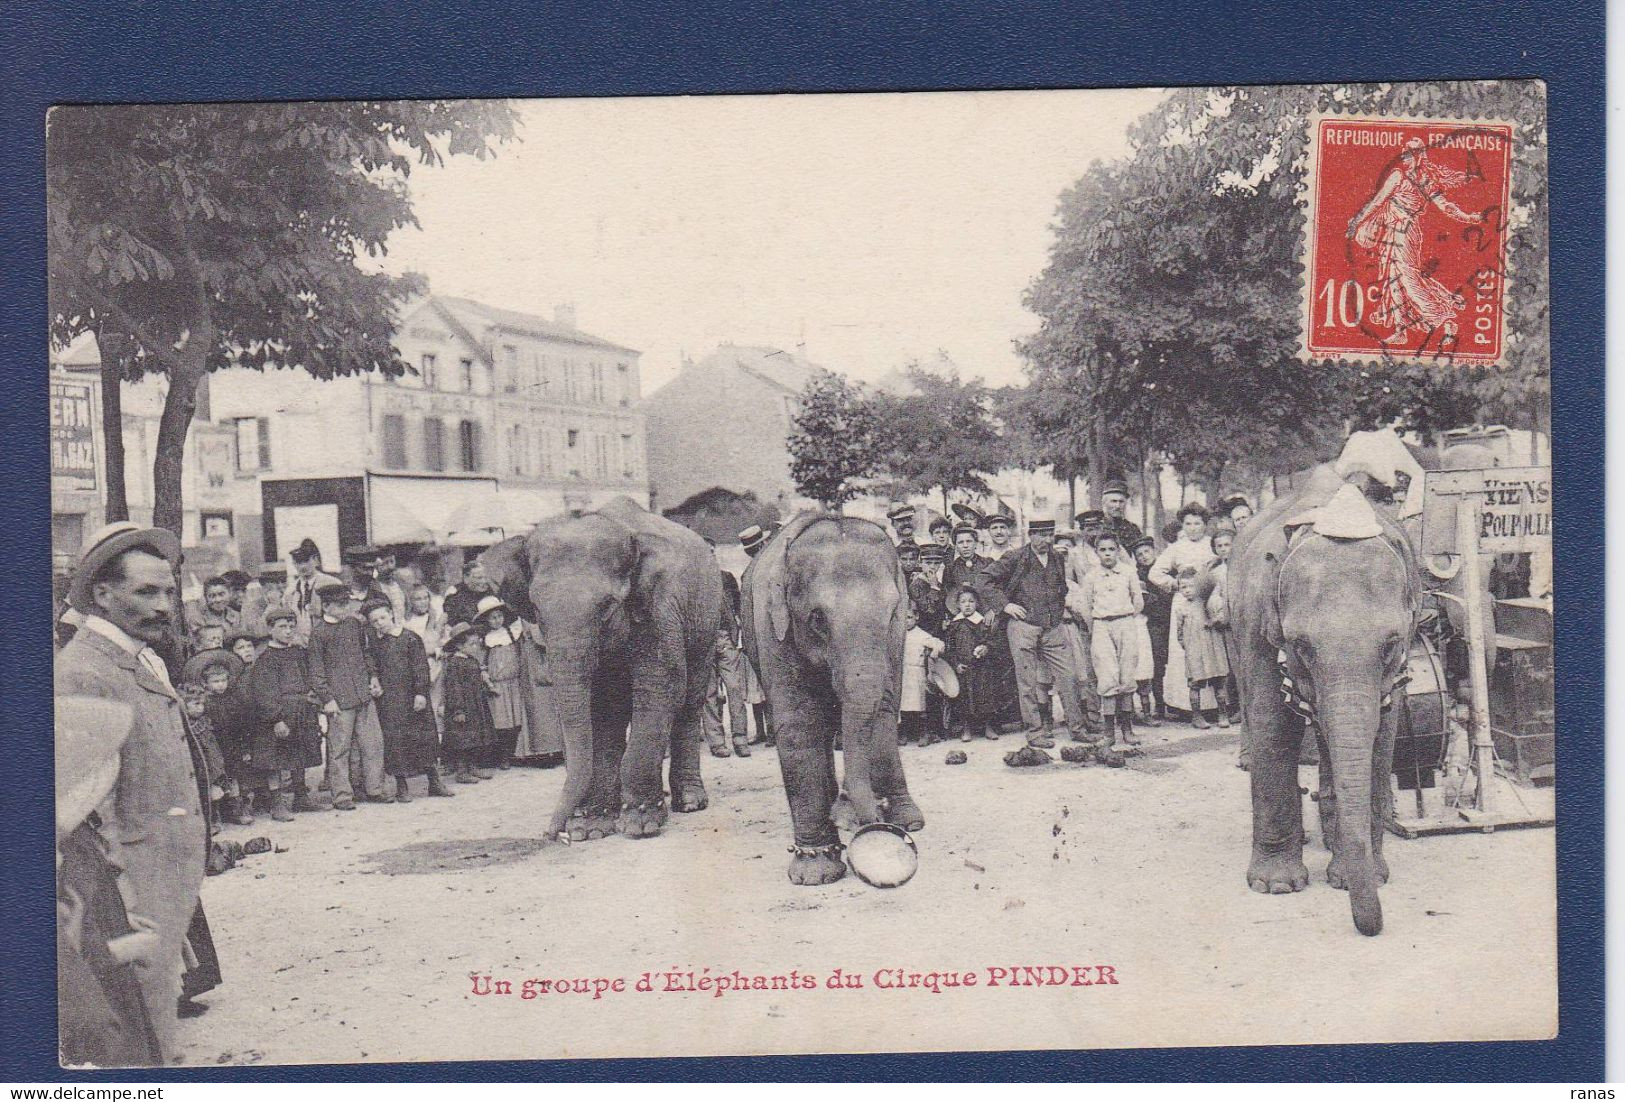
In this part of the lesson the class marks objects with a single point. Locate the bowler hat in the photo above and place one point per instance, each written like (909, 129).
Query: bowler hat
(205, 660)
(306, 551)
(108, 544)
(1114, 486)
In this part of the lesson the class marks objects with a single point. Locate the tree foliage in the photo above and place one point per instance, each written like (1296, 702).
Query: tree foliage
(194, 237)
(940, 435)
(1170, 304)
(833, 444)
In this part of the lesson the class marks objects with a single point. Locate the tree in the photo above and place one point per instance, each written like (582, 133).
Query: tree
(195, 237)
(940, 435)
(832, 441)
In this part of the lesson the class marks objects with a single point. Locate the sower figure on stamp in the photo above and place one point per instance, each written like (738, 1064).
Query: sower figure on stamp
(1030, 588)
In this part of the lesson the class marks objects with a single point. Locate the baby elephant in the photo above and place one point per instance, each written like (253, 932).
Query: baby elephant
(823, 608)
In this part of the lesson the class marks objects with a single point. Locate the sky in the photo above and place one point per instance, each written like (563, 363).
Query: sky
(875, 229)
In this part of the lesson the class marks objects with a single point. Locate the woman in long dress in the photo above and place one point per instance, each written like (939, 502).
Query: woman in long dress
(1191, 549)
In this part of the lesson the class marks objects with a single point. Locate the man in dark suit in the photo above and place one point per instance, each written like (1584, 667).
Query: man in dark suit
(1114, 503)
(729, 680)
(1028, 588)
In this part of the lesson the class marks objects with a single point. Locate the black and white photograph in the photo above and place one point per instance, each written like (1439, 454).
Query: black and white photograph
(744, 575)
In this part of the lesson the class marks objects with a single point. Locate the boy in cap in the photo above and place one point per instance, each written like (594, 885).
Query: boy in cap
(1109, 600)
(926, 588)
(344, 676)
(281, 699)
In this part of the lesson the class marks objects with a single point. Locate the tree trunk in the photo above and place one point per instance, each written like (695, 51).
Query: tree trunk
(1145, 492)
(169, 459)
(1097, 455)
(1072, 495)
(114, 348)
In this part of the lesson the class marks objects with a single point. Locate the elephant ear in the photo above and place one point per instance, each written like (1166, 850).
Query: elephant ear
(769, 566)
(507, 564)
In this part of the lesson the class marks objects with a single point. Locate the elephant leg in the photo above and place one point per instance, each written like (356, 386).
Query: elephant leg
(654, 708)
(886, 771)
(1276, 866)
(805, 730)
(686, 784)
(612, 709)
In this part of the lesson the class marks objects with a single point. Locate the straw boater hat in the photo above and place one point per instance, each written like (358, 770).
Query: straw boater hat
(998, 518)
(89, 734)
(489, 604)
(457, 633)
(201, 662)
(107, 545)
(965, 514)
(1040, 526)
(752, 538)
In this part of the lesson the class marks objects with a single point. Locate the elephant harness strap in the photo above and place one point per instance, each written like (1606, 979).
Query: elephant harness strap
(1300, 702)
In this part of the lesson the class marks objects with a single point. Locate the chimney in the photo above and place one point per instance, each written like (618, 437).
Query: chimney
(565, 314)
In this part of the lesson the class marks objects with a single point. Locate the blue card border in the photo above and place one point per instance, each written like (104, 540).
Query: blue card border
(196, 50)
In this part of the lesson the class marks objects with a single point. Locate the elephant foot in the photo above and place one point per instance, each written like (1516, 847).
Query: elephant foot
(1277, 873)
(1339, 880)
(904, 812)
(690, 797)
(589, 826)
(642, 820)
(810, 865)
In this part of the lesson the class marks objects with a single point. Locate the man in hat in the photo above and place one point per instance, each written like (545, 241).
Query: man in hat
(902, 522)
(966, 565)
(307, 578)
(998, 527)
(730, 680)
(926, 591)
(364, 563)
(1114, 503)
(1028, 587)
(751, 541)
(155, 825)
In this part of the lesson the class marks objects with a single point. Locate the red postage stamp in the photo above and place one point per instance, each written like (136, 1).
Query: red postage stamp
(1406, 240)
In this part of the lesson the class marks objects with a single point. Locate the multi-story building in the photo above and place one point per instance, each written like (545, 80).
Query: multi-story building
(505, 418)
(722, 425)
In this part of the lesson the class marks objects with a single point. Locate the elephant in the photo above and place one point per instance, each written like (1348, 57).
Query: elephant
(626, 605)
(1324, 596)
(823, 606)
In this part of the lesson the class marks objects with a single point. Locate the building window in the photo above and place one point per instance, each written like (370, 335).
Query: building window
(465, 376)
(468, 441)
(572, 384)
(510, 368)
(516, 449)
(428, 370)
(623, 383)
(598, 383)
(629, 458)
(434, 444)
(214, 525)
(544, 450)
(253, 443)
(600, 455)
(393, 432)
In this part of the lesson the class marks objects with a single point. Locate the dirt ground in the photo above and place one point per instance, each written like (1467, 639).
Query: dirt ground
(360, 943)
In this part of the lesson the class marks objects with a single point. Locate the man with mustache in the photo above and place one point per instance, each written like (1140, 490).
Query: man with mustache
(125, 589)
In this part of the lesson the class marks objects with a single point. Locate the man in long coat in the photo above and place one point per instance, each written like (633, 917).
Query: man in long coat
(125, 588)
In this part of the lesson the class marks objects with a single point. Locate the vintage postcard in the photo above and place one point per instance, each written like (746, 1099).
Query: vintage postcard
(802, 574)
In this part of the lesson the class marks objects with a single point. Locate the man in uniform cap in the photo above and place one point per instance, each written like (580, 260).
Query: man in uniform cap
(1114, 502)
(902, 522)
(363, 562)
(1028, 587)
(998, 527)
(125, 588)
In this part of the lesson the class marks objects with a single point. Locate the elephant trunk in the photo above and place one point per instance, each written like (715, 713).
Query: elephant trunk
(865, 705)
(572, 695)
(1351, 717)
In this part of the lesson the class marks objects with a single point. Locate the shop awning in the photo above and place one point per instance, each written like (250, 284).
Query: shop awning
(403, 509)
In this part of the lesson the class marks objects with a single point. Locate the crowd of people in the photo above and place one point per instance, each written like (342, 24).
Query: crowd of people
(370, 680)
(1085, 618)
(301, 691)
